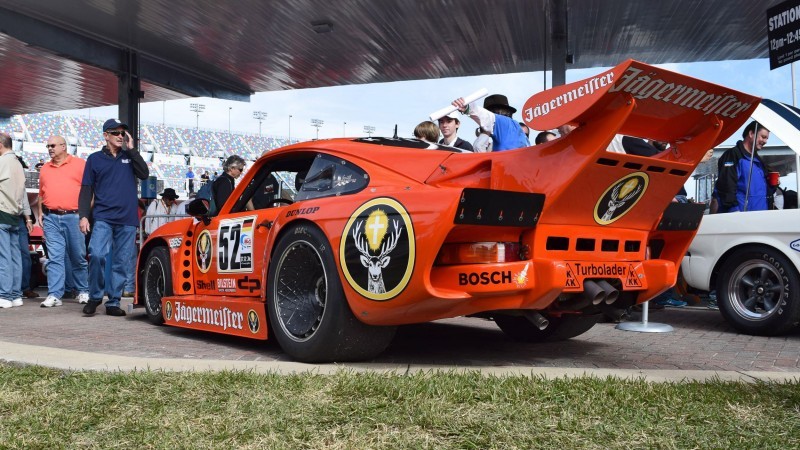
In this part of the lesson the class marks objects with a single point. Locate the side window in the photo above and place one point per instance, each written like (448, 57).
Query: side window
(330, 176)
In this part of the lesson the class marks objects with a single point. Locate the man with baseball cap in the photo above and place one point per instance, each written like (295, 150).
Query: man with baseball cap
(496, 115)
(449, 126)
(109, 194)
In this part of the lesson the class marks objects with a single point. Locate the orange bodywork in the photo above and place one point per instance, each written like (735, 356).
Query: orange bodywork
(577, 211)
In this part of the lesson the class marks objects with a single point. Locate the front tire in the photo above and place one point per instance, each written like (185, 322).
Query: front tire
(156, 282)
(559, 329)
(757, 291)
(308, 312)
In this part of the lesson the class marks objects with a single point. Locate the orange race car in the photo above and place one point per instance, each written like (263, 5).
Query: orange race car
(332, 244)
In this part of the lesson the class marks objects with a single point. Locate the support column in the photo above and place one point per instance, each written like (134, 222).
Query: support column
(129, 91)
(558, 40)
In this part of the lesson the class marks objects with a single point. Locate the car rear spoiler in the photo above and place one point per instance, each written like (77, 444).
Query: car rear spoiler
(665, 106)
(583, 182)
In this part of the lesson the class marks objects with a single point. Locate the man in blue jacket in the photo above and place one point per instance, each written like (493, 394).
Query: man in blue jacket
(742, 175)
(109, 194)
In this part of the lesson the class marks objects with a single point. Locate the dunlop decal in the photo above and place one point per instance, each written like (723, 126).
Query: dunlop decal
(378, 248)
(202, 251)
(620, 198)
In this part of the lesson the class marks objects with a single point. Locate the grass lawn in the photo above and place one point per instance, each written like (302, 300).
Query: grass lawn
(45, 408)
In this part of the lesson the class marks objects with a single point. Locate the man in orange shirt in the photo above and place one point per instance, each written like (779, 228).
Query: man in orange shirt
(59, 186)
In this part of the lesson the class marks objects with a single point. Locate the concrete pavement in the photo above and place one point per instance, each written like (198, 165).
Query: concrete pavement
(702, 346)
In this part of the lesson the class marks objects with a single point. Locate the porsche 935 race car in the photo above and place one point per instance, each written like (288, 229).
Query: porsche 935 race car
(328, 246)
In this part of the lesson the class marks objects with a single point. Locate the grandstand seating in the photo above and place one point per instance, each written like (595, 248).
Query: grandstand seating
(42, 126)
(88, 131)
(10, 126)
(233, 144)
(203, 143)
(163, 138)
(167, 144)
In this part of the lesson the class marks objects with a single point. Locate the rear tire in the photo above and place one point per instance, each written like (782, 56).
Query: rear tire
(156, 283)
(559, 329)
(758, 292)
(308, 312)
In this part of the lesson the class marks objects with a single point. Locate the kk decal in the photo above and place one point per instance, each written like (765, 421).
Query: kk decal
(203, 251)
(620, 198)
(377, 249)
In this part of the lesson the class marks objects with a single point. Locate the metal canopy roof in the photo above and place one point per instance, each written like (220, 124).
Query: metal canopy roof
(63, 54)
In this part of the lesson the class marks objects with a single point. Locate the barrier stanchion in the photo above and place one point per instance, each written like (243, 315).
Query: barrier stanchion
(644, 326)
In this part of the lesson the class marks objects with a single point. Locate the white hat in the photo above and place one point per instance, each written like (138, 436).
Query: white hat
(454, 115)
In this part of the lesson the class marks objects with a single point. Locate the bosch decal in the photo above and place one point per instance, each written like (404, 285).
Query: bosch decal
(484, 278)
(203, 252)
(620, 198)
(235, 245)
(377, 249)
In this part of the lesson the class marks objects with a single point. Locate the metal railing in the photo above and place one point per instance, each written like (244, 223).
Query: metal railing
(156, 216)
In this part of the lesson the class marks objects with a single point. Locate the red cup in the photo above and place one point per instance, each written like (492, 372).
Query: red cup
(773, 178)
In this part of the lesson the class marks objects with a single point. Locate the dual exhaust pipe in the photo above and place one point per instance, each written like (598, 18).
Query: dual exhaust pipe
(600, 291)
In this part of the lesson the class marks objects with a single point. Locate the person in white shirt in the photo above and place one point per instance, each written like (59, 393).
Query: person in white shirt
(165, 206)
(483, 143)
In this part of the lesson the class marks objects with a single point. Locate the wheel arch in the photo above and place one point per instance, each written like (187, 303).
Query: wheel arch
(143, 252)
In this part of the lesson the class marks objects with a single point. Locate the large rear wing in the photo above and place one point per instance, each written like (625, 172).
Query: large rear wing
(667, 106)
(583, 182)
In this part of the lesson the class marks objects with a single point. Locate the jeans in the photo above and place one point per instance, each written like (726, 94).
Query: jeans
(10, 264)
(66, 251)
(25, 254)
(107, 238)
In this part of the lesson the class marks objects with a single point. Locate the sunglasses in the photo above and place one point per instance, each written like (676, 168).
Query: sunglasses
(52, 145)
(115, 133)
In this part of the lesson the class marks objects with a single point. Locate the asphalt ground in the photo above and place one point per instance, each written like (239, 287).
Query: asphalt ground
(701, 346)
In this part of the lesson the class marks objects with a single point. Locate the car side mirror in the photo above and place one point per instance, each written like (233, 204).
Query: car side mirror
(198, 208)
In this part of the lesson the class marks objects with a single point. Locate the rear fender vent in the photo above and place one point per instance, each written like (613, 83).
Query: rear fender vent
(557, 243)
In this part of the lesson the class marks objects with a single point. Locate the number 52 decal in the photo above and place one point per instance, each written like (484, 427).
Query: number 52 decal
(235, 245)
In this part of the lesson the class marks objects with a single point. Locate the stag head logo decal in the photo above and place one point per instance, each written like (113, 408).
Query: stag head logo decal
(620, 198)
(203, 251)
(377, 249)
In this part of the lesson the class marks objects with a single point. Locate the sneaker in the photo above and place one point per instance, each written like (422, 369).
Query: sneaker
(30, 294)
(83, 298)
(50, 302)
(127, 294)
(671, 302)
(5, 303)
(16, 302)
(712, 304)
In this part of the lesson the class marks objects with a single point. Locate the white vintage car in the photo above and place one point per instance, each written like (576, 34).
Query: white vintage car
(752, 259)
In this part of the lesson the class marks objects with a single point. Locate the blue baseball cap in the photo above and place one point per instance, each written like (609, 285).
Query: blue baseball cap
(113, 123)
